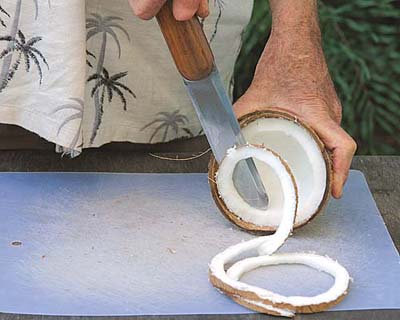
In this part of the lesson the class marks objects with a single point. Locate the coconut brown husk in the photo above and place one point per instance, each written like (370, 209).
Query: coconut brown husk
(251, 227)
(240, 297)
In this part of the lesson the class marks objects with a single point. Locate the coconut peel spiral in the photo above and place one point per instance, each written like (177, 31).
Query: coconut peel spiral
(281, 217)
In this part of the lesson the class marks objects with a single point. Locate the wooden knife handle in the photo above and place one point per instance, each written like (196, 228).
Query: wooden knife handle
(188, 44)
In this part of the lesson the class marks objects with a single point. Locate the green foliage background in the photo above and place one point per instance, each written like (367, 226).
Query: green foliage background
(361, 40)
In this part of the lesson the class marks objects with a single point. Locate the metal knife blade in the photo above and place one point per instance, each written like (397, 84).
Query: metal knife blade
(194, 60)
(215, 113)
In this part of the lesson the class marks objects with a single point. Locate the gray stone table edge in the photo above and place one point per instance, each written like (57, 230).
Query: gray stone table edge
(382, 173)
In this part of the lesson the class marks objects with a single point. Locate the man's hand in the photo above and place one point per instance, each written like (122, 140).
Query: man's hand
(183, 9)
(292, 75)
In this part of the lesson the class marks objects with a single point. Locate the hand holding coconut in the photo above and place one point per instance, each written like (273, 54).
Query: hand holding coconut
(292, 75)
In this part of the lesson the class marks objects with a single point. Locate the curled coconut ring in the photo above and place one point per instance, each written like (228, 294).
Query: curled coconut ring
(304, 153)
(253, 297)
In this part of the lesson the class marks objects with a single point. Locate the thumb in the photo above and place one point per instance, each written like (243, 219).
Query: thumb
(343, 148)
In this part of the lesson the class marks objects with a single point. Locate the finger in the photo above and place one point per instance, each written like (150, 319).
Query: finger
(146, 9)
(343, 148)
(185, 9)
(342, 157)
(203, 10)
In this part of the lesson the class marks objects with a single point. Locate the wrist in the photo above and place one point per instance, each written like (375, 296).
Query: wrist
(295, 19)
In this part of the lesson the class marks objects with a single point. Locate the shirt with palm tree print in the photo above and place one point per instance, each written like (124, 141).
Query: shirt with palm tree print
(82, 74)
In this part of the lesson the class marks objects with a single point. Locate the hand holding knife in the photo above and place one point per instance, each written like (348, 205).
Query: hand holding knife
(194, 60)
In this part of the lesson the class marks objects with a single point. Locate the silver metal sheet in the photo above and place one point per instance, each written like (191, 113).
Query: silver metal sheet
(140, 244)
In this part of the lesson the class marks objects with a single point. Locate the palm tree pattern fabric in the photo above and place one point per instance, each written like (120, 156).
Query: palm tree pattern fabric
(85, 73)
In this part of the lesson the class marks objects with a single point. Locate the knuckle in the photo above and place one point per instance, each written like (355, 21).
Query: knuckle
(204, 4)
(183, 15)
(186, 9)
(142, 11)
(204, 13)
(352, 145)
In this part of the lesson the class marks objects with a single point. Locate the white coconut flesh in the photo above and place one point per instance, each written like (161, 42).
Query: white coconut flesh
(298, 147)
(229, 280)
(281, 191)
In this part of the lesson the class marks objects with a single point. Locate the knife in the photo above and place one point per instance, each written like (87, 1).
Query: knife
(195, 62)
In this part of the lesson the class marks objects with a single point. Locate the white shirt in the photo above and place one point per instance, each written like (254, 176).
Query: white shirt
(85, 74)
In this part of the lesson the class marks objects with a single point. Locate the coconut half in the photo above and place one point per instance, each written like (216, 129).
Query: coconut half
(285, 195)
(303, 152)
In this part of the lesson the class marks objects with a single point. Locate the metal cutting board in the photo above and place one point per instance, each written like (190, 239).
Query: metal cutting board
(140, 244)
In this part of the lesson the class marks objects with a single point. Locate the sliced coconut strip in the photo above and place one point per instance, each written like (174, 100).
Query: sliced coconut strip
(320, 263)
(282, 192)
(253, 297)
(262, 307)
(303, 152)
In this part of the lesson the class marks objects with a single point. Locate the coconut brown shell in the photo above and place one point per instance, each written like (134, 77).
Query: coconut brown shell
(239, 295)
(213, 169)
